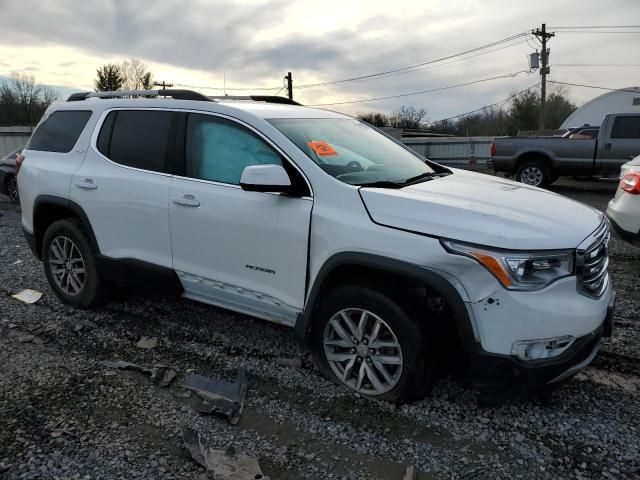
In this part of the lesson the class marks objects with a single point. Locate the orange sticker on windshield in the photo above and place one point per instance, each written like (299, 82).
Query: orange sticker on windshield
(323, 149)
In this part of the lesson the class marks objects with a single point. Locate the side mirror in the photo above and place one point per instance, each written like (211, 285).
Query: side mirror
(266, 178)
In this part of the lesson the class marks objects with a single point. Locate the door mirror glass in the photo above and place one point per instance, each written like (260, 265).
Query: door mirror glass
(265, 178)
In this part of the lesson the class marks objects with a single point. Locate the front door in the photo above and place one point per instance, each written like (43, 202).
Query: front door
(246, 251)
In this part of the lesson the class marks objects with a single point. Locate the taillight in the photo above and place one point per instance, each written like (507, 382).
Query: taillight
(19, 160)
(492, 149)
(631, 183)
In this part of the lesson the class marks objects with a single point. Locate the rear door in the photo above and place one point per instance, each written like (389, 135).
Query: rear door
(123, 184)
(622, 143)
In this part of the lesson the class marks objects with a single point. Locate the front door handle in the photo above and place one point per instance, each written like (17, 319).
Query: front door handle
(187, 201)
(607, 146)
(86, 184)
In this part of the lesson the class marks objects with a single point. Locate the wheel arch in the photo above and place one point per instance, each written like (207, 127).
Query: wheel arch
(537, 155)
(340, 268)
(48, 209)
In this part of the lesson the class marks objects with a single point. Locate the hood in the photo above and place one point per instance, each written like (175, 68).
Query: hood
(486, 210)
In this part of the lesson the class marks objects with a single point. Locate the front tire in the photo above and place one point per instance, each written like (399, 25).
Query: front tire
(534, 173)
(70, 265)
(364, 340)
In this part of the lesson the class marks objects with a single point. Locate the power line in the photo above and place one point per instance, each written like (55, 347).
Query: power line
(437, 65)
(595, 86)
(593, 27)
(510, 75)
(207, 87)
(485, 107)
(619, 65)
(596, 32)
(410, 67)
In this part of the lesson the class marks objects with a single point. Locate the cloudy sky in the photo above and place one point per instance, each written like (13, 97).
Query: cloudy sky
(253, 43)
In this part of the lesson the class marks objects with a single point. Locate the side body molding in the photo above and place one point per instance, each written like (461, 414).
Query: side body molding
(428, 277)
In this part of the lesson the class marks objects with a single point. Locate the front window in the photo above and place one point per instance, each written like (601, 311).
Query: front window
(353, 152)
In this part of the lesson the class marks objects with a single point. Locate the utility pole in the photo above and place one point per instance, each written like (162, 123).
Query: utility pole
(289, 80)
(163, 85)
(544, 70)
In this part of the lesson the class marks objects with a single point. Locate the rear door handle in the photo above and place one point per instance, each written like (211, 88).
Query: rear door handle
(607, 146)
(187, 201)
(86, 184)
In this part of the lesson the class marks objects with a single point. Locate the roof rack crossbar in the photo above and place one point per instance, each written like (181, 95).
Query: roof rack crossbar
(257, 98)
(176, 94)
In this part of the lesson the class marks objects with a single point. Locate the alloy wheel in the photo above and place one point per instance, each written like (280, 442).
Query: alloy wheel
(67, 266)
(363, 351)
(532, 176)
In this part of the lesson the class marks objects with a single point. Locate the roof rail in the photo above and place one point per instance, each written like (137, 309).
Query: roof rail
(176, 94)
(258, 98)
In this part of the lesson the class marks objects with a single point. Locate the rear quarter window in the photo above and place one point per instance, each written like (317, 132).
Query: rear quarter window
(60, 131)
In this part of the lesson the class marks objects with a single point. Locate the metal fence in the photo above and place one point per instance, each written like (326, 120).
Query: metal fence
(470, 152)
(12, 138)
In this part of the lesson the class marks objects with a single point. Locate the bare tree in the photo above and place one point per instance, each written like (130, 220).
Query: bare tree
(23, 101)
(408, 117)
(135, 75)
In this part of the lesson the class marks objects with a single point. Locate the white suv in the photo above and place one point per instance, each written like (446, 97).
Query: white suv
(386, 263)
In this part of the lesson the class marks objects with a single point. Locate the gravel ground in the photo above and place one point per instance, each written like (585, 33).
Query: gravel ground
(65, 416)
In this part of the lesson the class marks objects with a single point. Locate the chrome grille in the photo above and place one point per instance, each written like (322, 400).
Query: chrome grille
(592, 262)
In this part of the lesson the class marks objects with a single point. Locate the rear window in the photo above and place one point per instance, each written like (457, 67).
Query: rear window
(138, 138)
(60, 131)
(626, 127)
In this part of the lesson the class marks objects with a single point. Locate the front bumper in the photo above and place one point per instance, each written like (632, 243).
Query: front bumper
(497, 369)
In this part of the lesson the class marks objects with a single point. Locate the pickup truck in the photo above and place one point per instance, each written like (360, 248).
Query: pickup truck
(539, 161)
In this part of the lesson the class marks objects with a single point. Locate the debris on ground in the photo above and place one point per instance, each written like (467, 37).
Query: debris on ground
(25, 337)
(147, 343)
(410, 473)
(46, 328)
(17, 262)
(289, 362)
(220, 397)
(28, 296)
(221, 464)
(160, 375)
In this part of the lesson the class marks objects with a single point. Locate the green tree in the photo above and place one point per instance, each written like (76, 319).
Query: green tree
(109, 78)
(524, 113)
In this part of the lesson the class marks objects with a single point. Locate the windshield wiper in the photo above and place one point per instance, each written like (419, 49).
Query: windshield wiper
(382, 184)
(424, 176)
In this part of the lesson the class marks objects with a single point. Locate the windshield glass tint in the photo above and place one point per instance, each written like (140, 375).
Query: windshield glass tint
(351, 151)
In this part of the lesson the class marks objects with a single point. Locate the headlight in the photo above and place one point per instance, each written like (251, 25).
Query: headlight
(518, 270)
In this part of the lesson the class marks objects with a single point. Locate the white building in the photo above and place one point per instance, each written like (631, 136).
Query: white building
(625, 100)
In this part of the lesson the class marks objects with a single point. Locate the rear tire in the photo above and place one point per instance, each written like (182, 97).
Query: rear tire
(70, 265)
(11, 187)
(534, 173)
(382, 356)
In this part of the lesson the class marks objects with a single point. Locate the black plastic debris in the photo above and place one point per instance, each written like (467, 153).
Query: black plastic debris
(160, 375)
(221, 464)
(219, 397)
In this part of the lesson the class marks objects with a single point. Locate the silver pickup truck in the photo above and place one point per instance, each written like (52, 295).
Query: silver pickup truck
(539, 161)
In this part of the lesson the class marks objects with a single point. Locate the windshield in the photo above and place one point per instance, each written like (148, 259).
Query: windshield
(352, 151)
